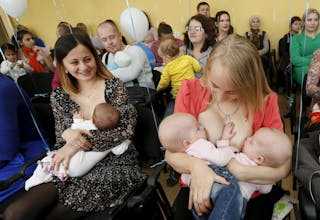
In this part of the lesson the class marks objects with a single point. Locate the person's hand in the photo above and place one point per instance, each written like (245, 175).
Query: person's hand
(202, 179)
(228, 131)
(76, 139)
(63, 156)
(20, 65)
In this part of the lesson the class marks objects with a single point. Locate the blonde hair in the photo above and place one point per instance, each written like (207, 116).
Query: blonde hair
(243, 61)
(169, 47)
(305, 15)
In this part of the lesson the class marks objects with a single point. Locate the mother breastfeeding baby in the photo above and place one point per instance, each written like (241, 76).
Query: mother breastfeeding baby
(232, 88)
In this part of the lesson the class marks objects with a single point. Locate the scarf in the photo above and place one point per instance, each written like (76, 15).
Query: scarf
(255, 38)
(32, 60)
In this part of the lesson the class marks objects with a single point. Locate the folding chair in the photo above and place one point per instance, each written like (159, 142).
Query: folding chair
(308, 175)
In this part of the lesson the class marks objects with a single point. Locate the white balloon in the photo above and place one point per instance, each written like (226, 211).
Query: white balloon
(14, 8)
(134, 23)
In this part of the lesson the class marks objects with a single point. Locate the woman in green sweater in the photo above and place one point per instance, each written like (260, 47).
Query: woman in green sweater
(304, 44)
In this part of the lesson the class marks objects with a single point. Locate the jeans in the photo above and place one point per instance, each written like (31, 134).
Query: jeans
(227, 200)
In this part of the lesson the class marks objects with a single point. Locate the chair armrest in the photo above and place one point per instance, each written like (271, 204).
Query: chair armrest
(21, 173)
(151, 184)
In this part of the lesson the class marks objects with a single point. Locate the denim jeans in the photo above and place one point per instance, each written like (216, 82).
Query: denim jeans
(228, 203)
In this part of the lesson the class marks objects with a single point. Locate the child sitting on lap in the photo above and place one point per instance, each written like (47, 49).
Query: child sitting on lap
(181, 132)
(105, 116)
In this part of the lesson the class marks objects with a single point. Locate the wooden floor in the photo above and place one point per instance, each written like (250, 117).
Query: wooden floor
(287, 183)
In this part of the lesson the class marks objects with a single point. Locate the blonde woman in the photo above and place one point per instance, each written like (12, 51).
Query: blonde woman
(304, 44)
(233, 88)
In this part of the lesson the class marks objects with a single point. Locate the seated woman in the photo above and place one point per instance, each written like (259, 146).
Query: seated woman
(38, 58)
(304, 44)
(223, 24)
(19, 139)
(85, 83)
(284, 54)
(137, 77)
(256, 36)
(232, 88)
(199, 39)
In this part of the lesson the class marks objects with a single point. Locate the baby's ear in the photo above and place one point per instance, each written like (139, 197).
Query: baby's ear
(259, 160)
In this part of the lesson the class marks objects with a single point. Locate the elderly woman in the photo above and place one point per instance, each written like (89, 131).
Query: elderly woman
(258, 37)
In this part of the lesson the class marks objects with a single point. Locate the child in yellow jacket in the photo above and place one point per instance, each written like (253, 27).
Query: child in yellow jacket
(178, 67)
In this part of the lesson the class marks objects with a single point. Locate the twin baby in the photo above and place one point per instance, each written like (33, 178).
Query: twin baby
(181, 132)
(104, 117)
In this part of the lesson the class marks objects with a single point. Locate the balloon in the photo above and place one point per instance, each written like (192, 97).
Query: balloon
(14, 8)
(134, 23)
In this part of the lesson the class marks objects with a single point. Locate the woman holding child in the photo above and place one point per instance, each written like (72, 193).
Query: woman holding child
(233, 88)
(85, 83)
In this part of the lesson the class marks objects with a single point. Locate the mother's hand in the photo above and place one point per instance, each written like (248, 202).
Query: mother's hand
(202, 179)
(63, 156)
(76, 139)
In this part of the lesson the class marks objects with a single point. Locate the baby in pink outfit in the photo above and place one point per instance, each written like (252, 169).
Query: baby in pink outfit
(181, 132)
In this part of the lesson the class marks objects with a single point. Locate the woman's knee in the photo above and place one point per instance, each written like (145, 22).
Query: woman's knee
(17, 212)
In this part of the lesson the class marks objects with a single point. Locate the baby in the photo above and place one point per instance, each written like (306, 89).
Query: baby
(121, 59)
(12, 66)
(104, 117)
(181, 132)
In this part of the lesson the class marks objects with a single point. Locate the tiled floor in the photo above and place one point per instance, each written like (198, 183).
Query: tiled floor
(171, 192)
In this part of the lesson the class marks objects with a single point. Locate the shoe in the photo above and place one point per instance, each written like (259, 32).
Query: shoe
(173, 178)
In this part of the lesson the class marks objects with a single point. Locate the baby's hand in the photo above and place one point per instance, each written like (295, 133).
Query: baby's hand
(228, 132)
(77, 115)
(36, 49)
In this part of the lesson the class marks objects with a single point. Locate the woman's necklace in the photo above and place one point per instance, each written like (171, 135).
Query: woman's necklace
(227, 117)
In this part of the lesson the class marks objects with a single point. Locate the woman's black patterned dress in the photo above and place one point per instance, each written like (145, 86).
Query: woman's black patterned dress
(114, 176)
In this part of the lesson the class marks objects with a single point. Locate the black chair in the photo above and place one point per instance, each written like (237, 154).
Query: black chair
(38, 88)
(308, 175)
(36, 84)
(150, 200)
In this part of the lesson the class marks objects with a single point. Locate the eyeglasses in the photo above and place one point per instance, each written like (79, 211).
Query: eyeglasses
(196, 28)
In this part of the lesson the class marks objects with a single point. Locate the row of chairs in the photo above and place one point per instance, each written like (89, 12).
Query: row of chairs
(306, 140)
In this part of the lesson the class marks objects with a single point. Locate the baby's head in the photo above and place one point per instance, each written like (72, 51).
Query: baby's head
(168, 49)
(105, 116)
(10, 52)
(179, 130)
(269, 147)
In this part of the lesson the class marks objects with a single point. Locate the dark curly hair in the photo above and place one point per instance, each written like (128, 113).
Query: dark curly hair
(208, 28)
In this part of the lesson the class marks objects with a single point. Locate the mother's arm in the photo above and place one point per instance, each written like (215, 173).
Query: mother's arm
(259, 174)
(269, 117)
(202, 178)
(116, 95)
